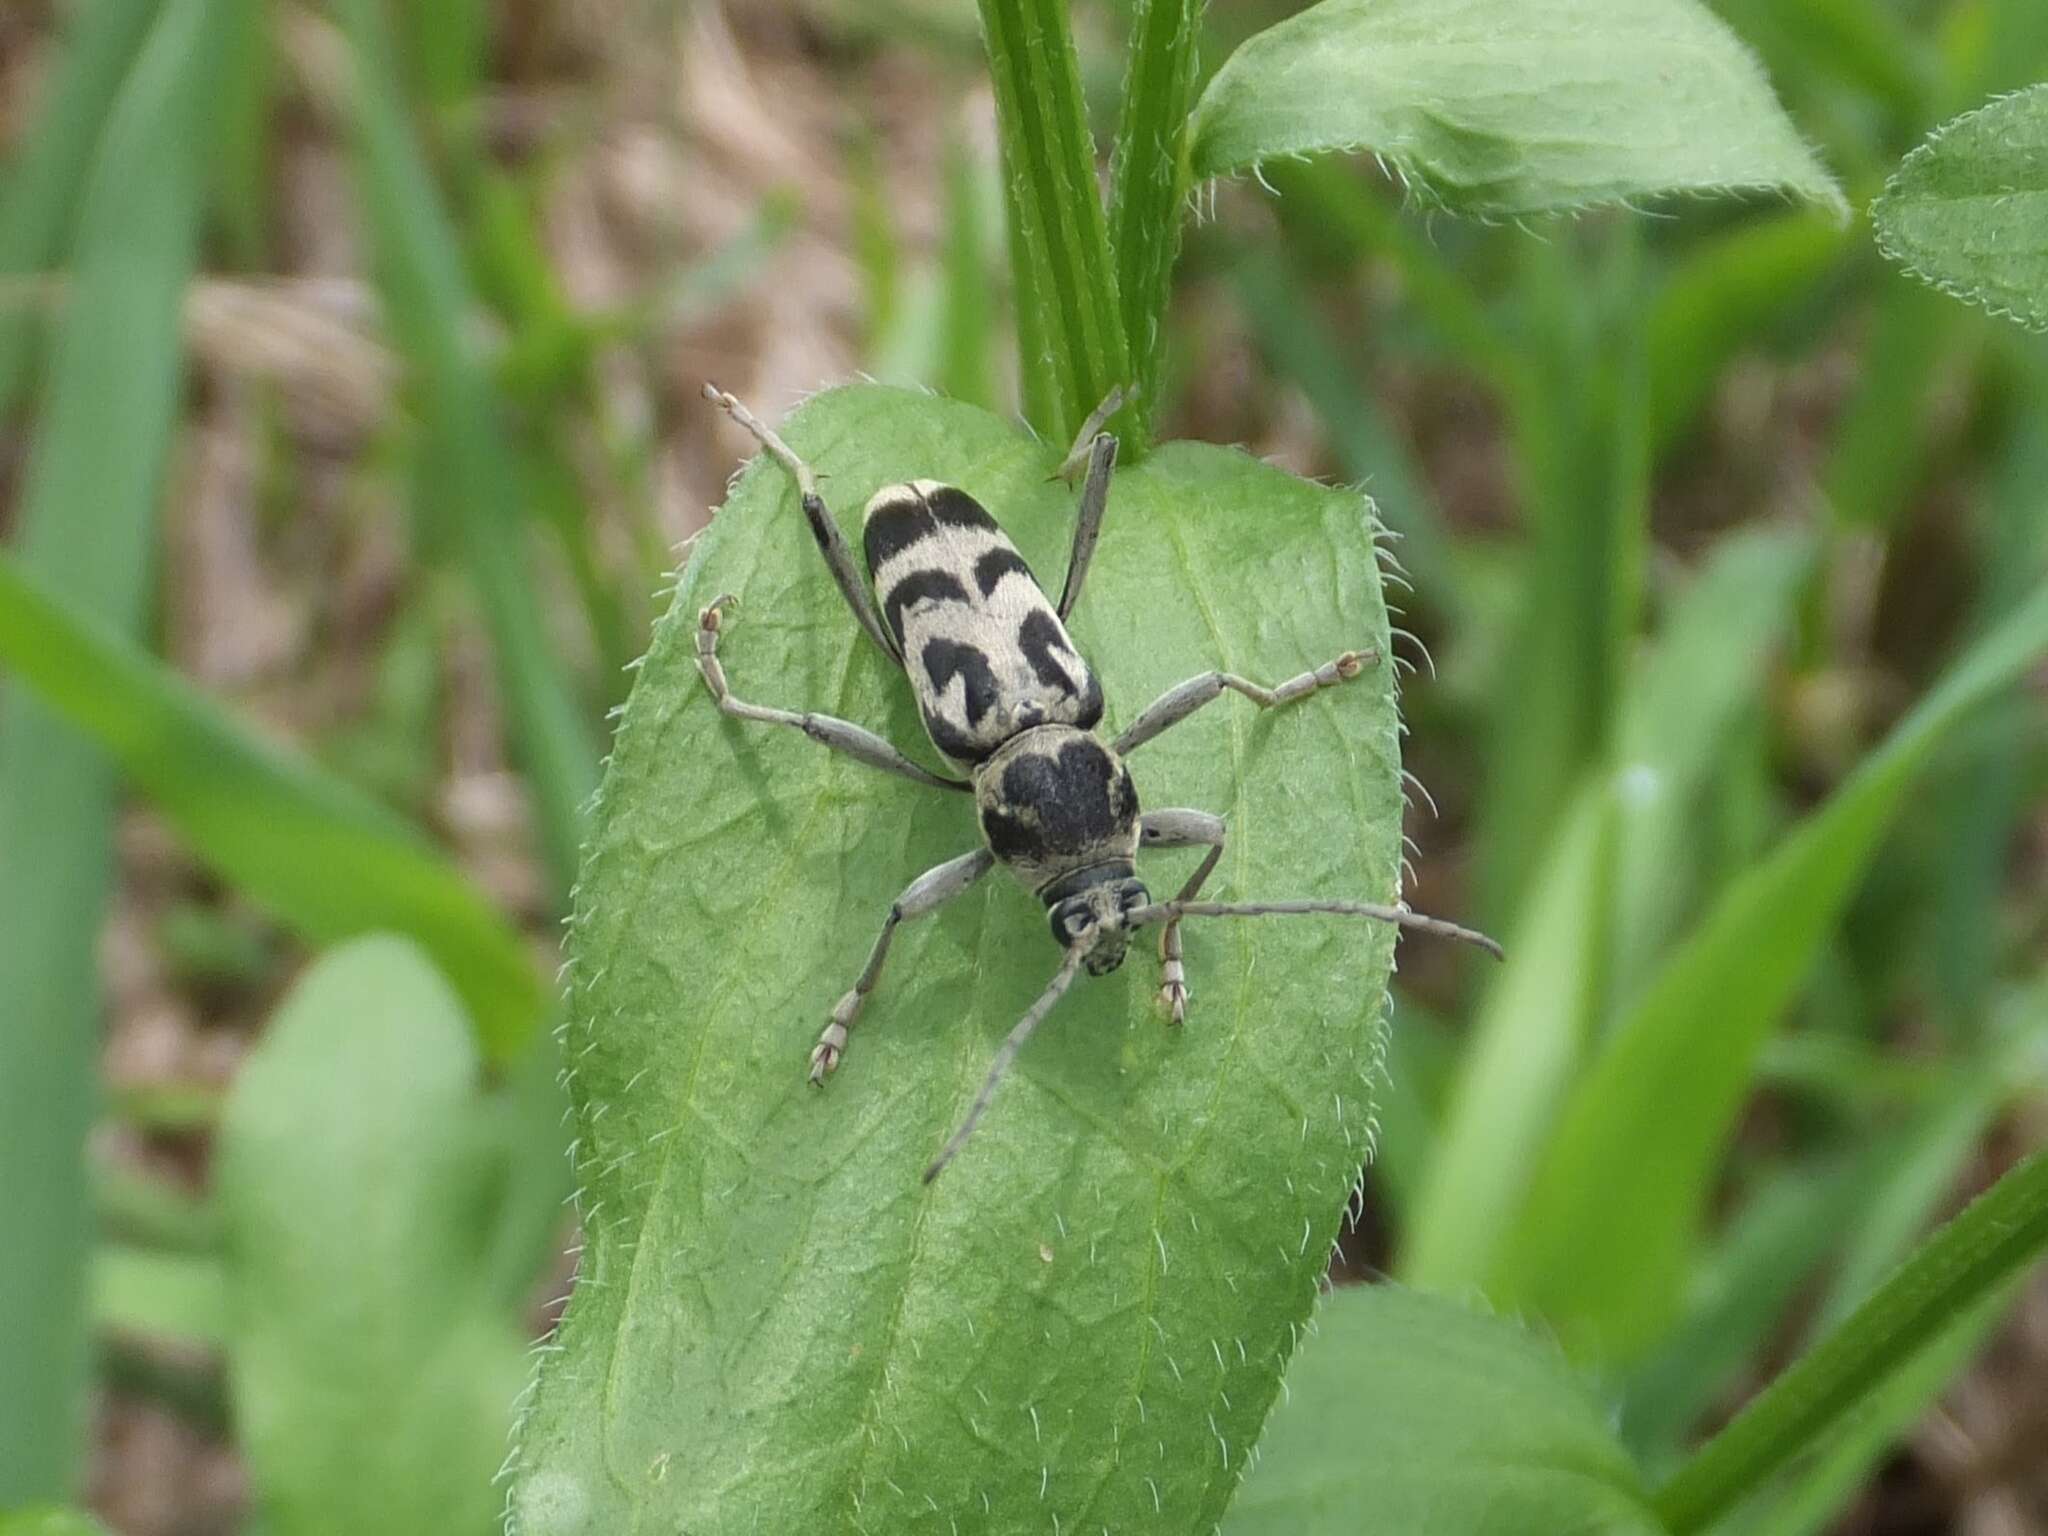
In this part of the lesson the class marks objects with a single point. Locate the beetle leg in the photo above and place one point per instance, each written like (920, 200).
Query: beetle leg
(928, 892)
(824, 527)
(826, 730)
(1176, 704)
(1180, 829)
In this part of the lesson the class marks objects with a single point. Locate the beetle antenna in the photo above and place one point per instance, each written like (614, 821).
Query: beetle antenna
(1012, 1044)
(1401, 917)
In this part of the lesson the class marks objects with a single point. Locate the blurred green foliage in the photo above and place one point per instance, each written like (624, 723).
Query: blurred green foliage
(1728, 539)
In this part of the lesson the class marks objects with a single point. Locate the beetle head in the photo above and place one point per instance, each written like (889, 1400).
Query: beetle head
(1096, 920)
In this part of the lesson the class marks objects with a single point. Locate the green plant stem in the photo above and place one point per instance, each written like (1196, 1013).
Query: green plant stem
(1074, 348)
(2002, 1231)
(1150, 185)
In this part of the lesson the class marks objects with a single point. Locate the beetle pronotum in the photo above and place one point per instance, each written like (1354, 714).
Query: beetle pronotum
(1005, 694)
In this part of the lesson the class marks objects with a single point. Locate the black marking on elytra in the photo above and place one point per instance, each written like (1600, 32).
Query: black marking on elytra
(1040, 637)
(937, 586)
(997, 563)
(956, 509)
(945, 660)
(910, 518)
(893, 527)
(1037, 637)
(951, 740)
(1071, 792)
(1089, 715)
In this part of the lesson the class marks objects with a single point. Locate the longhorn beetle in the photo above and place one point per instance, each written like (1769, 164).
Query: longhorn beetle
(1005, 694)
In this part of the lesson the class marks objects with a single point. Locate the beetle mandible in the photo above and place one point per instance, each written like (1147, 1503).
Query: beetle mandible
(1004, 693)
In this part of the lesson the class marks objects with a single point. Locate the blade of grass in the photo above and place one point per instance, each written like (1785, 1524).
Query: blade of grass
(877, 247)
(55, 155)
(1880, 447)
(1060, 239)
(241, 124)
(967, 302)
(178, 1297)
(1984, 809)
(1414, 1082)
(1810, 1499)
(151, 1212)
(427, 304)
(1926, 1160)
(1301, 349)
(1961, 1266)
(1707, 665)
(1340, 205)
(1581, 431)
(49, 1522)
(1521, 1059)
(1718, 300)
(1149, 184)
(1603, 1241)
(310, 847)
(88, 527)
(1737, 1297)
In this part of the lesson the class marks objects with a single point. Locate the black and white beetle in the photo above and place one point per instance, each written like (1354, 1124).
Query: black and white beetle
(1005, 694)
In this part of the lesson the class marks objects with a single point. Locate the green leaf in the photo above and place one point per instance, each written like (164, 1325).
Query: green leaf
(1603, 1241)
(777, 1326)
(1512, 106)
(373, 1383)
(1413, 1416)
(87, 526)
(1968, 210)
(307, 845)
(1069, 327)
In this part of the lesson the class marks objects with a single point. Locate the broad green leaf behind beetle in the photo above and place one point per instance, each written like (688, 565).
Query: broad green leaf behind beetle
(1084, 1320)
(1512, 106)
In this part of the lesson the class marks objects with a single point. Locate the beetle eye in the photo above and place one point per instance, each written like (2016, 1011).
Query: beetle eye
(1070, 920)
(1133, 896)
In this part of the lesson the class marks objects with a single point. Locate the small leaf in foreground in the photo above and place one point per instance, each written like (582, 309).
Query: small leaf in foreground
(1409, 1415)
(777, 1326)
(1968, 210)
(1512, 106)
(373, 1382)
